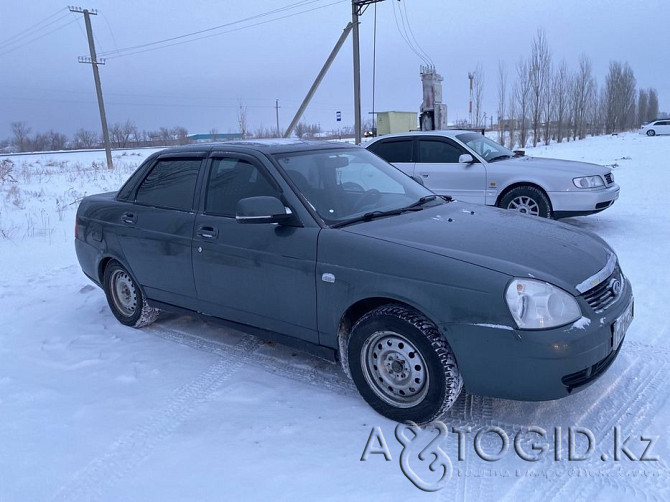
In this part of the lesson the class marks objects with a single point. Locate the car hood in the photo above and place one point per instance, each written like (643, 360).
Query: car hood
(568, 166)
(504, 241)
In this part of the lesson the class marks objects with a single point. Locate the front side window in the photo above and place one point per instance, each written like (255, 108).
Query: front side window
(485, 147)
(343, 184)
(393, 151)
(439, 152)
(170, 184)
(231, 180)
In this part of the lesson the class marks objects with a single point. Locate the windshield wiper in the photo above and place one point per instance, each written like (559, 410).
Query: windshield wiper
(416, 206)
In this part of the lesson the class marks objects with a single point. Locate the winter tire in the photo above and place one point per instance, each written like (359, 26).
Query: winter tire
(651, 132)
(402, 366)
(528, 200)
(125, 298)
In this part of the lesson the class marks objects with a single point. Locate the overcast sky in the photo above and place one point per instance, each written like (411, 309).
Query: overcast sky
(200, 84)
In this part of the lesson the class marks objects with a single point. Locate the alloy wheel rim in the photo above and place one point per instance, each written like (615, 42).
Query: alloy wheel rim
(524, 204)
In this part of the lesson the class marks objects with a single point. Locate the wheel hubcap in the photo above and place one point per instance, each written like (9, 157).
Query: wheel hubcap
(394, 369)
(124, 294)
(524, 205)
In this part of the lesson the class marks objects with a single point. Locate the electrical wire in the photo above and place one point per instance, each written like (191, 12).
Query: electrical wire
(136, 49)
(38, 38)
(406, 39)
(32, 29)
(409, 27)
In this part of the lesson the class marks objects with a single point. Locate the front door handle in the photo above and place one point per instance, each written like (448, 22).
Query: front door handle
(129, 218)
(207, 232)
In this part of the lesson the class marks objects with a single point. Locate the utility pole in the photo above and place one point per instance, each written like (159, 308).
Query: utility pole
(277, 110)
(357, 9)
(96, 77)
(471, 77)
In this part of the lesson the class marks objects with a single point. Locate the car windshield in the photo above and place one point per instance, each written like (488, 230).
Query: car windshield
(343, 185)
(484, 147)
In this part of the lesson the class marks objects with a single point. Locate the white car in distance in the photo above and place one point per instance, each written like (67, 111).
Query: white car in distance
(473, 168)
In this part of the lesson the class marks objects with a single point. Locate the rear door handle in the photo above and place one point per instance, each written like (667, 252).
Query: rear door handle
(207, 232)
(129, 218)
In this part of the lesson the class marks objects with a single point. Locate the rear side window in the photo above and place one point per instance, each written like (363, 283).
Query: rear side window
(170, 184)
(438, 152)
(231, 180)
(393, 151)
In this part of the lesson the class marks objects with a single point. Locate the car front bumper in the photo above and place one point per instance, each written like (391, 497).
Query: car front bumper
(538, 365)
(583, 201)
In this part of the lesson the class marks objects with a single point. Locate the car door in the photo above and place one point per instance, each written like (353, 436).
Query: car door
(437, 164)
(263, 274)
(155, 226)
(664, 127)
(396, 151)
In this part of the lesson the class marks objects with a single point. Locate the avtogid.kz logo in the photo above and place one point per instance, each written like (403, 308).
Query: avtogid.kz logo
(425, 462)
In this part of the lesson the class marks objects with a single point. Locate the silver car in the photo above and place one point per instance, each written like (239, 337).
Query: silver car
(472, 168)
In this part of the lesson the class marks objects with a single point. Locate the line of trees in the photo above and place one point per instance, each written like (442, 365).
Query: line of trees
(121, 135)
(547, 102)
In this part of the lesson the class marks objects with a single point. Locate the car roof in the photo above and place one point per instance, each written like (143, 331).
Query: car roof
(267, 146)
(449, 133)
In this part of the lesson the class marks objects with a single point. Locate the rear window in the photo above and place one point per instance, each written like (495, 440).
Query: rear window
(170, 184)
(393, 151)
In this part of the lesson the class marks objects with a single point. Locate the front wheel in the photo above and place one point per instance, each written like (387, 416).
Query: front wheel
(402, 366)
(528, 200)
(651, 132)
(125, 298)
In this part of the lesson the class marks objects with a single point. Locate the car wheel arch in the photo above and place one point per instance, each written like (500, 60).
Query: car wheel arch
(520, 184)
(356, 311)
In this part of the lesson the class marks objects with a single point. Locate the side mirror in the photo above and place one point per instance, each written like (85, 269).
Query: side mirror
(519, 153)
(466, 158)
(262, 210)
(418, 179)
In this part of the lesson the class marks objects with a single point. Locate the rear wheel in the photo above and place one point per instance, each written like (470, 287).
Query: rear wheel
(125, 298)
(402, 366)
(651, 132)
(528, 200)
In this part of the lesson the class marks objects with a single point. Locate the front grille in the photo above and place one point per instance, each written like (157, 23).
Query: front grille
(602, 296)
(609, 178)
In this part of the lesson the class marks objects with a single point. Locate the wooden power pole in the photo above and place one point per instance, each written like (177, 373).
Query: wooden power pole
(93, 60)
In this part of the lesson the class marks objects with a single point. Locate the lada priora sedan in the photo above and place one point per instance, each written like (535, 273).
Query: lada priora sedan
(473, 168)
(326, 246)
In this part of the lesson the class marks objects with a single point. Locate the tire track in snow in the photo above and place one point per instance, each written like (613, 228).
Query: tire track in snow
(634, 397)
(91, 482)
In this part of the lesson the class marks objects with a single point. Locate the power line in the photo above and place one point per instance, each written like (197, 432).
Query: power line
(28, 31)
(28, 42)
(405, 37)
(409, 27)
(136, 49)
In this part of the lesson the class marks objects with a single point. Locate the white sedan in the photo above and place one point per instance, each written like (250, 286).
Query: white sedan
(656, 127)
(472, 168)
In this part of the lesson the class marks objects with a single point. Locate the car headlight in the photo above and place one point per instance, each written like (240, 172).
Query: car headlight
(539, 305)
(588, 182)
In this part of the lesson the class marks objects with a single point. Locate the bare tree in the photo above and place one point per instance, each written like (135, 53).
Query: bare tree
(56, 140)
(511, 122)
(642, 106)
(121, 134)
(85, 139)
(502, 101)
(619, 98)
(652, 107)
(21, 133)
(582, 92)
(478, 91)
(180, 135)
(561, 100)
(539, 73)
(523, 91)
(242, 119)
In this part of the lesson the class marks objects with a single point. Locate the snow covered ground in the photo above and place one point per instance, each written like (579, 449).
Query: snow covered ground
(181, 410)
